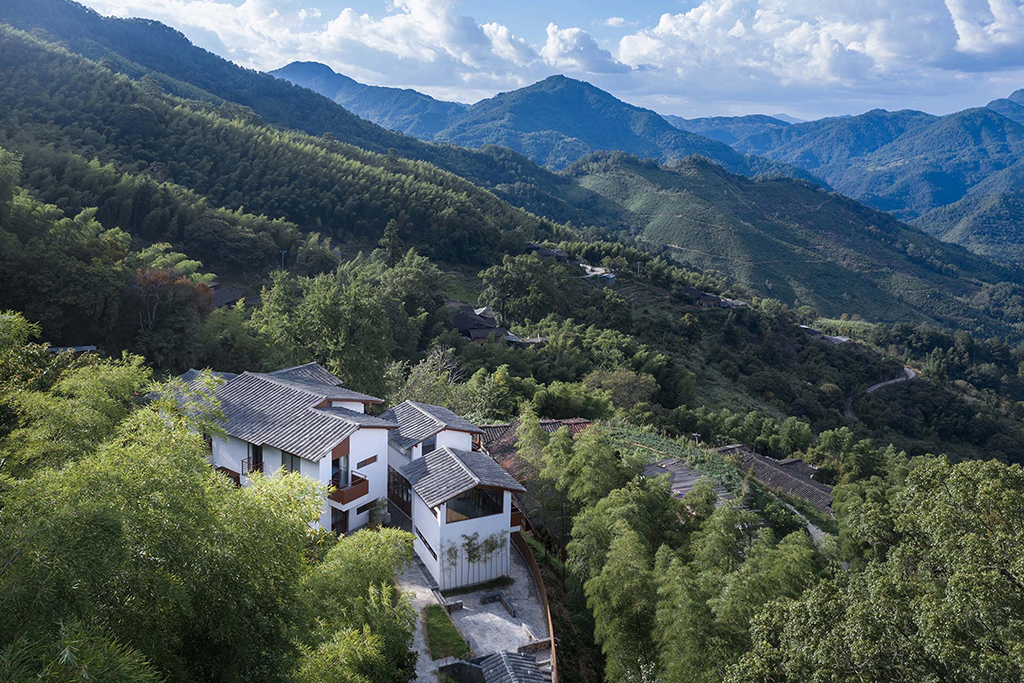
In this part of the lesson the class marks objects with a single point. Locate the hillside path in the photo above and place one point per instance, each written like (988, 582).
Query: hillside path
(908, 373)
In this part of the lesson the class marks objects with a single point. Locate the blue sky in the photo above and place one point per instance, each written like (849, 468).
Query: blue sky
(807, 58)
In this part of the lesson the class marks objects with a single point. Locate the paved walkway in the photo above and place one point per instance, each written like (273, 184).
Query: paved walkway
(414, 582)
(490, 628)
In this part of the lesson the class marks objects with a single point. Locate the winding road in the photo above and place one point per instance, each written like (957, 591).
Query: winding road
(908, 373)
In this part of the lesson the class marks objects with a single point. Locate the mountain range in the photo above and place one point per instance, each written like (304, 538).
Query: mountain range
(553, 122)
(166, 110)
(938, 171)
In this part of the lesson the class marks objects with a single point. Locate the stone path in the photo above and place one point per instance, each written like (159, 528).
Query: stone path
(413, 581)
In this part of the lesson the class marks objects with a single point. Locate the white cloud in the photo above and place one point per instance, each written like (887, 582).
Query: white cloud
(615, 22)
(806, 56)
(573, 49)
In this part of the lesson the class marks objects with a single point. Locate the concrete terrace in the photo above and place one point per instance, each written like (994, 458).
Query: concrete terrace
(487, 628)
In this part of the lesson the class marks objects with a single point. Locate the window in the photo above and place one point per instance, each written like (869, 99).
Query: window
(339, 472)
(290, 463)
(478, 442)
(253, 463)
(363, 463)
(474, 503)
(425, 544)
(399, 491)
(430, 445)
(363, 508)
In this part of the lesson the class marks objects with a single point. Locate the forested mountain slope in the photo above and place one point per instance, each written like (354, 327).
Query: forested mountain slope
(399, 109)
(52, 99)
(140, 47)
(801, 244)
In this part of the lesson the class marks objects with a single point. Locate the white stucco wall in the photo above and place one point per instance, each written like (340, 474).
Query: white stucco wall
(464, 573)
(229, 452)
(462, 441)
(365, 443)
(429, 526)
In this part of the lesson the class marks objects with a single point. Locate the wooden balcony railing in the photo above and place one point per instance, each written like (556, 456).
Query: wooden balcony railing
(359, 487)
(249, 466)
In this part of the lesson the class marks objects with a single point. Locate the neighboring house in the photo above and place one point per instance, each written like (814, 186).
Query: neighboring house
(682, 478)
(500, 439)
(500, 667)
(71, 349)
(543, 252)
(461, 515)
(702, 299)
(479, 326)
(598, 274)
(300, 420)
(790, 476)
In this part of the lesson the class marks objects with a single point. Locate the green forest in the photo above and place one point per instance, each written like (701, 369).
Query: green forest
(128, 201)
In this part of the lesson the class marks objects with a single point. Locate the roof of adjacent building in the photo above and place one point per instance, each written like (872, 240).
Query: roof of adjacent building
(316, 378)
(500, 439)
(420, 421)
(683, 478)
(511, 667)
(447, 472)
(280, 409)
(790, 476)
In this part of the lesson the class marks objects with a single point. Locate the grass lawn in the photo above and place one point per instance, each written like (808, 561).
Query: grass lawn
(443, 639)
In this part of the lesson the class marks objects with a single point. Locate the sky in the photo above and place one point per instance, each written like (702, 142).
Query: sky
(805, 58)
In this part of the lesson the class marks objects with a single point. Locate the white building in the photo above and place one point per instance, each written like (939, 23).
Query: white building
(300, 420)
(461, 515)
(457, 499)
(419, 456)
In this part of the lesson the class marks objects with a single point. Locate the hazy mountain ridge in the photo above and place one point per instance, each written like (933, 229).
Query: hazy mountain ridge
(553, 122)
(400, 109)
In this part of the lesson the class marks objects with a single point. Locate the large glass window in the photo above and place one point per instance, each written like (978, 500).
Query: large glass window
(474, 503)
(430, 445)
(339, 472)
(399, 491)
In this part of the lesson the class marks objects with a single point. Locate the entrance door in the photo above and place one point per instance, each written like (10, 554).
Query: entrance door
(339, 521)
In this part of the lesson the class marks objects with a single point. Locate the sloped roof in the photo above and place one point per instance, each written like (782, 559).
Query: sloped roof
(267, 409)
(315, 378)
(500, 440)
(511, 667)
(445, 473)
(420, 421)
(683, 478)
(790, 476)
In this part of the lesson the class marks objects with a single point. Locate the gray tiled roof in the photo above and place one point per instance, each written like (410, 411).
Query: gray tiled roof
(511, 667)
(279, 412)
(682, 477)
(419, 421)
(445, 473)
(314, 377)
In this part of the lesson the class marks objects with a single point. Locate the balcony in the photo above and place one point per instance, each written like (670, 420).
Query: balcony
(359, 487)
(250, 465)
